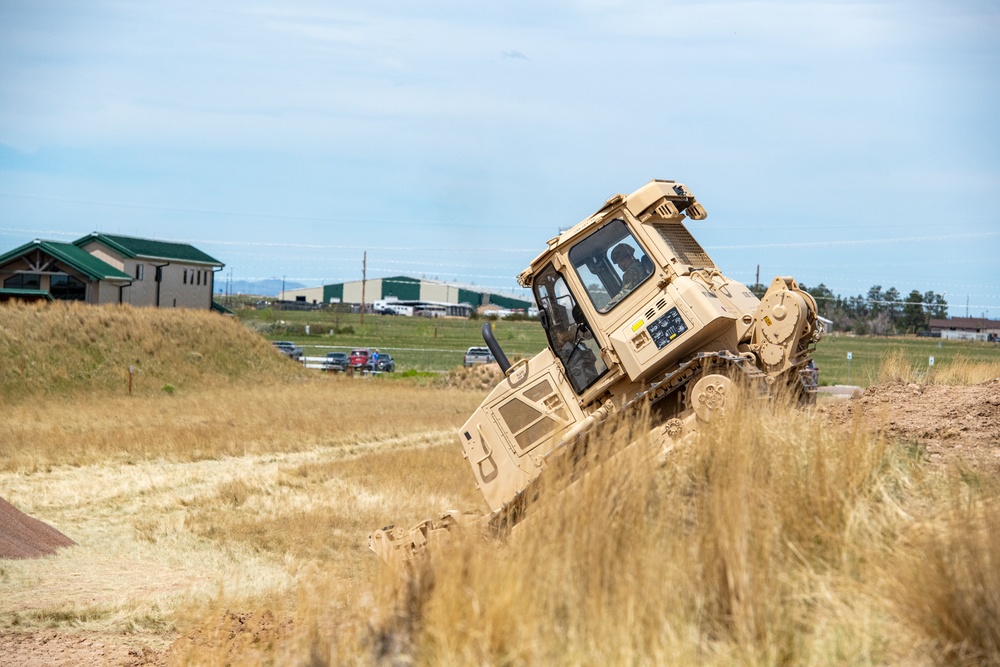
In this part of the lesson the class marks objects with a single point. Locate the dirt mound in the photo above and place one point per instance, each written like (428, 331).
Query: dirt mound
(22, 536)
(953, 423)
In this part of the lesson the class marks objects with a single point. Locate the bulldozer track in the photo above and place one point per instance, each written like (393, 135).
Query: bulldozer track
(671, 382)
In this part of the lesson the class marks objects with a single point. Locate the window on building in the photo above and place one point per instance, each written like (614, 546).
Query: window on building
(24, 281)
(138, 271)
(67, 288)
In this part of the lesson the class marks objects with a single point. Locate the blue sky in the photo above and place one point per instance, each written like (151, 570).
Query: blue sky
(848, 143)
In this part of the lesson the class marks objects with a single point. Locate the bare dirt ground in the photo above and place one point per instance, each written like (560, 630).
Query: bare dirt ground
(55, 648)
(951, 425)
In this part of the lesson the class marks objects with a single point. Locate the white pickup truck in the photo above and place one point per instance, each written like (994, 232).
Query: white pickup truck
(478, 355)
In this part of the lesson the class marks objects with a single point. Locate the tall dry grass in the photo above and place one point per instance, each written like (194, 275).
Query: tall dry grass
(897, 367)
(945, 585)
(244, 419)
(772, 540)
(238, 509)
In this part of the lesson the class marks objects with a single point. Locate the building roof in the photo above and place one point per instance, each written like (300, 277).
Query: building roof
(71, 255)
(24, 294)
(965, 323)
(132, 247)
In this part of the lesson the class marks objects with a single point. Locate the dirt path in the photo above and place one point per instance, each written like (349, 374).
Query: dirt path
(107, 600)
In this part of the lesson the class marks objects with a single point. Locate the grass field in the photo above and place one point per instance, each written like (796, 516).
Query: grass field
(225, 523)
(423, 344)
(416, 343)
(869, 353)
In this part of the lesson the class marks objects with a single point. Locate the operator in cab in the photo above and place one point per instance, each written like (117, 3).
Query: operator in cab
(633, 272)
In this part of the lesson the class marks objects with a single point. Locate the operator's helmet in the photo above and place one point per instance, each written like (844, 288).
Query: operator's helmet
(621, 251)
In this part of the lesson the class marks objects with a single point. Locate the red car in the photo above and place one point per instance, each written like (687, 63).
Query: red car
(359, 357)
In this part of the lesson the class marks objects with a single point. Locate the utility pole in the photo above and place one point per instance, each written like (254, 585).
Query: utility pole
(757, 283)
(364, 278)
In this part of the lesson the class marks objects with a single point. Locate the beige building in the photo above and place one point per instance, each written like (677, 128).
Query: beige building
(104, 268)
(163, 274)
(407, 290)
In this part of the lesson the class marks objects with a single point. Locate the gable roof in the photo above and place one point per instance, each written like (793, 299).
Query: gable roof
(72, 256)
(132, 247)
(965, 323)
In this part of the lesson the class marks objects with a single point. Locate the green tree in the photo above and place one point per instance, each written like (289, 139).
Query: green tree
(826, 300)
(935, 307)
(875, 298)
(914, 319)
(893, 307)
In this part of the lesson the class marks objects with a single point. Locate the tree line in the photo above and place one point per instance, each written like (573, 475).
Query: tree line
(880, 312)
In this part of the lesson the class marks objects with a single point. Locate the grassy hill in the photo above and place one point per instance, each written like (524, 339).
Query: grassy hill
(56, 348)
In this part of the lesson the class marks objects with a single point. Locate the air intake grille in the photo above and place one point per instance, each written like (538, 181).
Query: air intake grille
(683, 244)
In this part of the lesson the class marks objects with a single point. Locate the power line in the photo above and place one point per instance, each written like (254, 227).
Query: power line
(245, 214)
(856, 242)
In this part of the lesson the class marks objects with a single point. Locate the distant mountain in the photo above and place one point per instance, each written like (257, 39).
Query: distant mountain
(269, 287)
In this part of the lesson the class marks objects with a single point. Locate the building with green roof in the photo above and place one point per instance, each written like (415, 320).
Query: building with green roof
(417, 292)
(163, 274)
(106, 268)
(59, 271)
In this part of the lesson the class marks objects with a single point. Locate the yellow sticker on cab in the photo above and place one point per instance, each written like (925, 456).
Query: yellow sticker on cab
(637, 324)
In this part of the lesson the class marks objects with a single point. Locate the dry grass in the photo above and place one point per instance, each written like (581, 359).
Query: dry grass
(897, 367)
(245, 419)
(946, 585)
(67, 348)
(773, 540)
(230, 523)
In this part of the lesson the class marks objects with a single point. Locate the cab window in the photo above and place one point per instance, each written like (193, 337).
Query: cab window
(569, 335)
(610, 263)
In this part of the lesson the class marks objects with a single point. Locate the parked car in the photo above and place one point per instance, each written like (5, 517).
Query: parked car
(289, 349)
(336, 362)
(384, 364)
(358, 358)
(478, 355)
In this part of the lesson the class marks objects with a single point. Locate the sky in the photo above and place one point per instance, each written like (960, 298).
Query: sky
(846, 143)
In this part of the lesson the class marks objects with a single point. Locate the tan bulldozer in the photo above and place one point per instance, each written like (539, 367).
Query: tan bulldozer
(637, 315)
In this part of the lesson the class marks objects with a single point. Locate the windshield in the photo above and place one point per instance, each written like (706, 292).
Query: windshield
(610, 264)
(569, 335)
